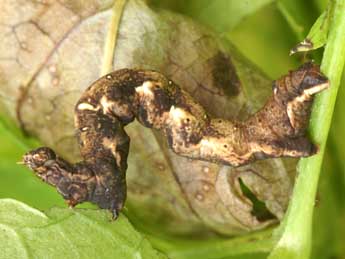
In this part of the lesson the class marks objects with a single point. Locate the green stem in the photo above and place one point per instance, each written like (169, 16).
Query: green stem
(295, 241)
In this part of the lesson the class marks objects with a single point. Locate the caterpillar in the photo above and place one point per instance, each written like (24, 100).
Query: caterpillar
(116, 99)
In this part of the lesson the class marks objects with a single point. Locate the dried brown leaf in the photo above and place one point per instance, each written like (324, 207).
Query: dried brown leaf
(52, 50)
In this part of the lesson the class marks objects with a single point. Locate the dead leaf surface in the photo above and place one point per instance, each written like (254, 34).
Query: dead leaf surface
(52, 50)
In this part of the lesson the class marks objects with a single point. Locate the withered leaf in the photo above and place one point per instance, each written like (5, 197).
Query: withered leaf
(52, 50)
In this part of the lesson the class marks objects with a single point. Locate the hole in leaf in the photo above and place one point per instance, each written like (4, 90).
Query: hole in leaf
(259, 210)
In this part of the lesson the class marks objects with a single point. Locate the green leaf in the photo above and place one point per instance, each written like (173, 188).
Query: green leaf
(9, 129)
(317, 37)
(64, 233)
(216, 247)
(222, 15)
(296, 229)
(16, 181)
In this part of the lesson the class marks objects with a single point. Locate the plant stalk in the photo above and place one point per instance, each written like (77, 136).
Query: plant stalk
(296, 230)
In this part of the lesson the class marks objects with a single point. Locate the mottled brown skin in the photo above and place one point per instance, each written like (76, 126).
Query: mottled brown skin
(113, 101)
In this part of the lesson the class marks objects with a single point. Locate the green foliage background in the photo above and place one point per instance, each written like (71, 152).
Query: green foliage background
(265, 35)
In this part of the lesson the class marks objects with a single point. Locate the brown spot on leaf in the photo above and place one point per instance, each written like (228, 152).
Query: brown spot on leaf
(224, 74)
